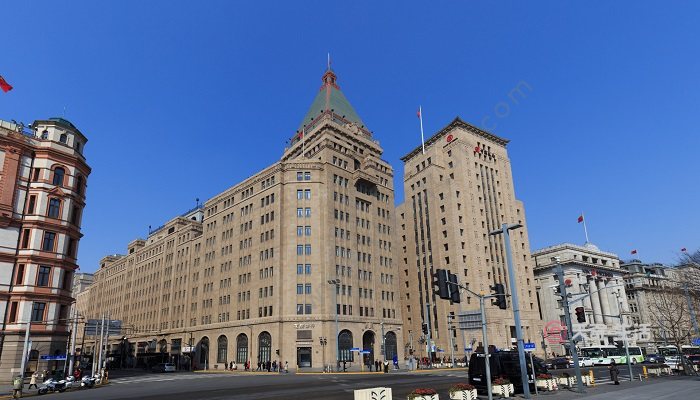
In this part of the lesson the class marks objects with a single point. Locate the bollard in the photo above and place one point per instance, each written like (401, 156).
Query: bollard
(592, 378)
(644, 371)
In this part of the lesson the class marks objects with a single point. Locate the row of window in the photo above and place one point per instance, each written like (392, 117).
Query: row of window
(303, 230)
(48, 242)
(43, 277)
(304, 288)
(304, 212)
(303, 249)
(303, 176)
(303, 194)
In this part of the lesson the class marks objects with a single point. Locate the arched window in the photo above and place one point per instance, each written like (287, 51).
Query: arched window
(63, 138)
(204, 351)
(264, 347)
(163, 346)
(390, 345)
(58, 175)
(241, 348)
(345, 346)
(222, 349)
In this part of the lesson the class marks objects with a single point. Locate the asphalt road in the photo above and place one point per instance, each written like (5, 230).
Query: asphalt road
(190, 386)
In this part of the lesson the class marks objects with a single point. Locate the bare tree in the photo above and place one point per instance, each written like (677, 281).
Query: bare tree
(669, 313)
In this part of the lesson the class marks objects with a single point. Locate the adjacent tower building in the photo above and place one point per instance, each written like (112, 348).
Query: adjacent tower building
(42, 196)
(458, 190)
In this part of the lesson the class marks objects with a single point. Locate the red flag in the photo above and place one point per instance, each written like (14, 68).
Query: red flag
(301, 134)
(634, 252)
(684, 249)
(418, 113)
(6, 87)
(580, 219)
(477, 149)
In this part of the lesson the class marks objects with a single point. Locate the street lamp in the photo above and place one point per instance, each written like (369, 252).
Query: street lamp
(505, 228)
(336, 283)
(324, 342)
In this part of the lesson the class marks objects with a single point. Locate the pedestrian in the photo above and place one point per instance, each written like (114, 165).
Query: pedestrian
(274, 366)
(17, 385)
(286, 367)
(396, 362)
(259, 365)
(32, 381)
(614, 372)
(386, 366)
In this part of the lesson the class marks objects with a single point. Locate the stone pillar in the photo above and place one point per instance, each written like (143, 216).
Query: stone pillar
(587, 302)
(597, 318)
(604, 301)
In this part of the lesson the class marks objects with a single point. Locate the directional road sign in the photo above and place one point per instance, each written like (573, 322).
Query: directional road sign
(529, 346)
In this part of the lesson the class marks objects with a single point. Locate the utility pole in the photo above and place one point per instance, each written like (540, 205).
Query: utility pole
(23, 364)
(487, 354)
(429, 344)
(505, 228)
(569, 331)
(383, 342)
(72, 341)
(99, 349)
(451, 330)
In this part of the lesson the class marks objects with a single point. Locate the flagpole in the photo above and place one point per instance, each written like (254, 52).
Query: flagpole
(585, 229)
(303, 143)
(420, 115)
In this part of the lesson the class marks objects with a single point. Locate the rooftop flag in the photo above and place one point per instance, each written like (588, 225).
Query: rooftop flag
(6, 87)
(633, 252)
(684, 250)
(580, 218)
(420, 117)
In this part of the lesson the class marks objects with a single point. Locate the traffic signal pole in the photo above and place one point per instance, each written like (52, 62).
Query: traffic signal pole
(505, 228)
(569, 330)
(429, 343)
(486, 346)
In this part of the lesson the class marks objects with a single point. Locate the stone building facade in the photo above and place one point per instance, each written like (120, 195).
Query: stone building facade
(589, 271)
(457, 191)
(295, 263)
(42, 196)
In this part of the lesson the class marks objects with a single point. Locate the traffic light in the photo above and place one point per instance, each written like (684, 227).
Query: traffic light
(425, 329)
(453, 288)
(580, 314)
(440, 284)
(500, 292)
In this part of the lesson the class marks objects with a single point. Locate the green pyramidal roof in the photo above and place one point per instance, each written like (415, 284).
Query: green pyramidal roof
(330, 98)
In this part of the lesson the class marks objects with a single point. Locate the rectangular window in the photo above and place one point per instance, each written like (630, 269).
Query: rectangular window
(13, 312)
(307, 230)
(308, 269)
(307, 309)
(26, 233)
(307, 212)
(300, 176)
(300, 212)
(38, 311)
(300, 289)
(32, 204)
(300, 230)
(75, 216)
(49, 242)
(307, 176)
(307, 249)
(300, 194)
(300, 269)
(35, 177)
(300, 250)
(300, 309)
(307, 288)
(42, 278)
(307, 194)
(20, 274)
(54, 208)
(67, 281)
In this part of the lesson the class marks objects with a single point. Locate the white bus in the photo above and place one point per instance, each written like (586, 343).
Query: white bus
(636, 355)
(604, 354)
(672, 357)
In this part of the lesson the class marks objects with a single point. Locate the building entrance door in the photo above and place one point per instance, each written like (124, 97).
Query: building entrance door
(304, 357)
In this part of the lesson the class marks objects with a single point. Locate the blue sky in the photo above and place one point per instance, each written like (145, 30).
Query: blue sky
(181, 100)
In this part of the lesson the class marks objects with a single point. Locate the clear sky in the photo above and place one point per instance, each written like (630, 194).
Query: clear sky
(181, 100)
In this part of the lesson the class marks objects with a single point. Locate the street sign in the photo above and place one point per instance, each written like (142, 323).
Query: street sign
(50, 357)
(355, 349)
(529, 346)
(468, 349)
(696, 342)
(365, 352)
(187, 349)
(469, 320)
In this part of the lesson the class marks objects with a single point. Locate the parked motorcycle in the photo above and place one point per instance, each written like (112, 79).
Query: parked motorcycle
(70, 383)
(51, 385)
(88, 382)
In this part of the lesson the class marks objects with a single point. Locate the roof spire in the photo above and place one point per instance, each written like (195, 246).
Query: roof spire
(329, 61)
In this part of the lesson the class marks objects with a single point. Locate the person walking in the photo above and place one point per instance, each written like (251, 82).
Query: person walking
(286, 367)
(17, 385)
(614, 372)
(32, 381)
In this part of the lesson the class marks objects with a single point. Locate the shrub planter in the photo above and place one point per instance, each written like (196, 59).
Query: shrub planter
(462, 391)
(423, 394)
(505, 390)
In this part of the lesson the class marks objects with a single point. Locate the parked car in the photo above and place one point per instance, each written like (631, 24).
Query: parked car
(504, 364)
(556, 363)
(163, 367)
(584, 362)
(654, 359)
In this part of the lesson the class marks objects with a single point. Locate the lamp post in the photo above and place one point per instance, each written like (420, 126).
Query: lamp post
(505, 228)
(336, 285)
(324, 342)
